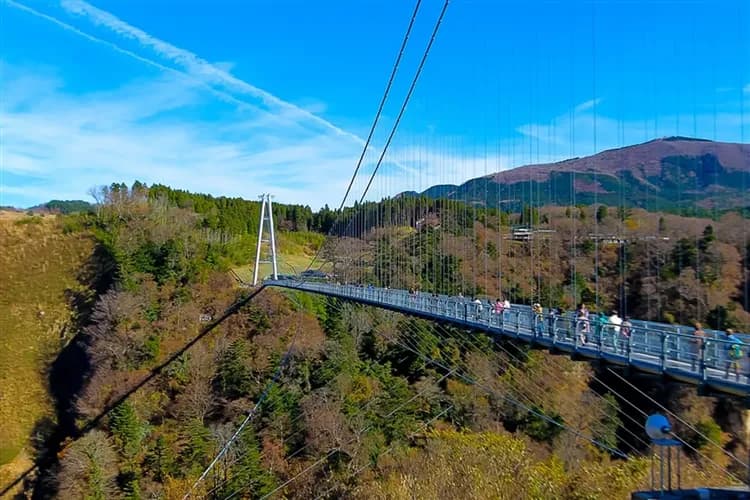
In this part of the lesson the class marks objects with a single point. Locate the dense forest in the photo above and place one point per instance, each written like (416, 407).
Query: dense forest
(349, 401)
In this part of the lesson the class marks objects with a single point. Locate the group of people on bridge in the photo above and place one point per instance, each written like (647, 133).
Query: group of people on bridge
(734, 349)
(725, 352)
(614, 332)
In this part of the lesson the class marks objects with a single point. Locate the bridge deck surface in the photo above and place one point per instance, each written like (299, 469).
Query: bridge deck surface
(651, 347)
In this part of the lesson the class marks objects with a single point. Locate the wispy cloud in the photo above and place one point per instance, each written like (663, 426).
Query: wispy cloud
(194, 65)
(72, 142)
(585, 106)
(57, 143)
(288, 142)
(586, 130)
(291, 134)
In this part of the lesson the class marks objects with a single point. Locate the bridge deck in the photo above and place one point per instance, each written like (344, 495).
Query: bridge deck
(651, 347)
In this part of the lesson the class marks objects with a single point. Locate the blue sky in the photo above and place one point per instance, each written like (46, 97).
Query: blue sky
(239, 98)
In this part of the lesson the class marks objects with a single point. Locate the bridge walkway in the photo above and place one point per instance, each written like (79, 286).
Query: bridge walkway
(655, 348)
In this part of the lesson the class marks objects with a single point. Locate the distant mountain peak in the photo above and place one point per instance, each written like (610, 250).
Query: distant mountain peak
(666, 171)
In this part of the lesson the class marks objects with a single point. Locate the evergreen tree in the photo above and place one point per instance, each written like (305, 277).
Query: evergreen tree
(233, 375)
(248, 474)
(127, 429)
(601, 213)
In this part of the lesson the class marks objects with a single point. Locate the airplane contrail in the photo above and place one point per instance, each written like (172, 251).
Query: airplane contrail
(192, 64)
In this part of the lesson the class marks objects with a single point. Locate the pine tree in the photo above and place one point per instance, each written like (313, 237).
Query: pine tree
(601, 213)
(248, 474)
(127, 429)
(233, 375)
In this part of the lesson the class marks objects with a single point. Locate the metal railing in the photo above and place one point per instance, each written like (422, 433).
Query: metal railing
(657, 348)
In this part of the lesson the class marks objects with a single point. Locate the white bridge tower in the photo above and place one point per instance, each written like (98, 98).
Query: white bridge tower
(266, 217)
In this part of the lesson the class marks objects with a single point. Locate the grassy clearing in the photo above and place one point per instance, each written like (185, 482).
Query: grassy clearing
(296, 250)
(37, 265)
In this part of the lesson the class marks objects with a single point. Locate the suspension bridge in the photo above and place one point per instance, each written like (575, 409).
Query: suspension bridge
(411, 241)
(654, 348)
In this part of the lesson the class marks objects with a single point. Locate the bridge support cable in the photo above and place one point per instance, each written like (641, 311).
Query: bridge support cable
(358, 433)
(401, 112)
(472, 381)
(525, 389)
(374, 125)
(266, 408)
(407, 342)
(382, 102)
(424, 426)
(410, 346)
(538, 391)
(358, 294)
(406, 99)
(711, 461)
(548, 372)
(269, 409)
(609, 403)
(404, 343)
(95, 421)
(679, 419)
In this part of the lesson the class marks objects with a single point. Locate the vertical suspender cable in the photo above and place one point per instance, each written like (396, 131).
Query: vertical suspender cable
(374, 122)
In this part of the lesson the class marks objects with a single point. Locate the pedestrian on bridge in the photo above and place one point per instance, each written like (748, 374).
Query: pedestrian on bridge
(582, 323)
(552, 321)
(498, 307)
(734, 353)
(698, 345)
(614, 322)
(625, 332)
(536, 309)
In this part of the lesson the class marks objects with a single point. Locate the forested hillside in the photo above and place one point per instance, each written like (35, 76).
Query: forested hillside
(350, 401)
(650, 265)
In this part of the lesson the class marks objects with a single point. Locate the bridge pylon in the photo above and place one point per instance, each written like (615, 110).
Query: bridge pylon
(266, 219)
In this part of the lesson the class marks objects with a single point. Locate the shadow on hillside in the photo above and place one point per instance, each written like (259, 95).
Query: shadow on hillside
(71, 368)
(67, 375)
(67, 378)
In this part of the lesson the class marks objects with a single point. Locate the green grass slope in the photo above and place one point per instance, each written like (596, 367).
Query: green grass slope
(37, 265)
(295, 250)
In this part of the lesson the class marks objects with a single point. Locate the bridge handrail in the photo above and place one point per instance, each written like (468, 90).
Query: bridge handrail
(665, 347)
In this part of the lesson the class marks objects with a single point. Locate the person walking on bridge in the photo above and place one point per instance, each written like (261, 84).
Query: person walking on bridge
(537, 311)
(698, 345)
(582, 323)
(625, 332)
(614, 321)
(552, 321)
(498, 307)
(734, 353)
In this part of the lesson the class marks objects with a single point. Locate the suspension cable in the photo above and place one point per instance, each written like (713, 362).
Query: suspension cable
(375, 120)
(399, 116)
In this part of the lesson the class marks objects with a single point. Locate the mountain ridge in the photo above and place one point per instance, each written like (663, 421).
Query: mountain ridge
(668, 172)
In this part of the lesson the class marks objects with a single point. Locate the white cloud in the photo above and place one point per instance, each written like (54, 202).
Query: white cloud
(286, 138)
(62, 144)
(582, 132)
(70, 143)
(585, 106)
(59, 144)
(194, 65)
